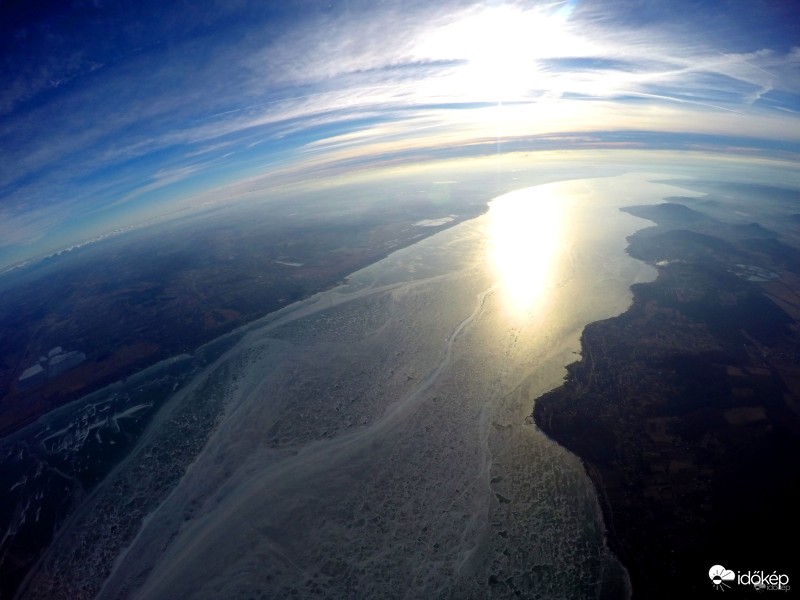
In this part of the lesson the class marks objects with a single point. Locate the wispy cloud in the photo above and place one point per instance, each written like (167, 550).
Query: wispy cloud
(241, 85)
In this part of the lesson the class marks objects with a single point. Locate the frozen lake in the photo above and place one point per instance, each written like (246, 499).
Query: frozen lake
(372, 440)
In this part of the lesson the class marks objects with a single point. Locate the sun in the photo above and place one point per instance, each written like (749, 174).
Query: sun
(500, 49)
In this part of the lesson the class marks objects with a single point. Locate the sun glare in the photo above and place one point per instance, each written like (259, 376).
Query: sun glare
(501, 46)
(526, 229)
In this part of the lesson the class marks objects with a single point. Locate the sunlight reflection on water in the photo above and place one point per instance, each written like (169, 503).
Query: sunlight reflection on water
(526, 232)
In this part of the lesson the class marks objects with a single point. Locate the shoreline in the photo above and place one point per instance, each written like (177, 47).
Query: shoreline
(92, 377)
(123, 391)
(673, 398)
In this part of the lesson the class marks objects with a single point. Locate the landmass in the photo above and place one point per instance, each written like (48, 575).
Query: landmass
(131, 300)
(686, 409)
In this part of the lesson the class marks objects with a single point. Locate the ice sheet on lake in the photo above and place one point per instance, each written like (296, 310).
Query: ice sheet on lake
(371, 441)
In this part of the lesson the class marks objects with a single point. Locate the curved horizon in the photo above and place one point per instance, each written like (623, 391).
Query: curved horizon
(113, 116)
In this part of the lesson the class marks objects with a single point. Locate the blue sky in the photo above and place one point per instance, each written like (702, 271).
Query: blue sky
(115, 112)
